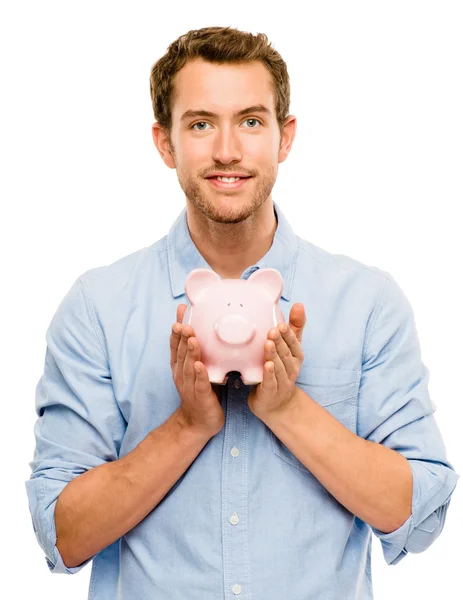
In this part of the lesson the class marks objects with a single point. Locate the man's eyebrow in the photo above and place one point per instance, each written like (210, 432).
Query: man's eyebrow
(258, 108)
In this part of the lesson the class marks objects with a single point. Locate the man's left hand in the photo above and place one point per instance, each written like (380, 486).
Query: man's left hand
(283, 360)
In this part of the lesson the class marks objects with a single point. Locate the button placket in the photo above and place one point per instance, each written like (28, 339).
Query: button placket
(235, 542)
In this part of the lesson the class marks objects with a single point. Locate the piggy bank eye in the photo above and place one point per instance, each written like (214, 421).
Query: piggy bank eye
(241, 305)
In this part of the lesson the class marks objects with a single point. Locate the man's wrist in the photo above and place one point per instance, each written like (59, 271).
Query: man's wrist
(290, 407)
(187, 430)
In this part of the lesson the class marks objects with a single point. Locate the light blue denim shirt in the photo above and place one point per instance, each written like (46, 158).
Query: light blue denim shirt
(247, 519)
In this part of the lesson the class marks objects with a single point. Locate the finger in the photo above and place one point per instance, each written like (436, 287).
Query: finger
(188, 369)
(291, 340)
(284, 353)
(297, 319)
(269, 381)
(174, 342)
(182, 346)
(279, 371)
(175, 337)
(181, 308)
(202, 383)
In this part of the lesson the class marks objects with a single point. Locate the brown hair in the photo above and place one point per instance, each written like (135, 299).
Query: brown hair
(217, 45)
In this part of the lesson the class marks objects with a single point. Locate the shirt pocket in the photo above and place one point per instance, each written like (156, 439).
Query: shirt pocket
(334, 389)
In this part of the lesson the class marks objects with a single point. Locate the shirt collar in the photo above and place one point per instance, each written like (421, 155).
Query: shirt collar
(183, 256)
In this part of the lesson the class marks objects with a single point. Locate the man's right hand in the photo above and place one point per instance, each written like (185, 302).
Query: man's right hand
(200, 408)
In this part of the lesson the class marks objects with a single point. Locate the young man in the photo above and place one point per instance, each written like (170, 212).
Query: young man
(177, 488)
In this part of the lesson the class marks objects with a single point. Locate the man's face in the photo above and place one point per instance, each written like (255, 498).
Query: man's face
(248, 144)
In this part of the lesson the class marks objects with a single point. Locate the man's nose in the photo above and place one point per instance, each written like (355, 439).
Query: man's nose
(227, 146)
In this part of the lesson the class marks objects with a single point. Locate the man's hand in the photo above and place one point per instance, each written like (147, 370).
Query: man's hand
(284, 357)
(200, 408)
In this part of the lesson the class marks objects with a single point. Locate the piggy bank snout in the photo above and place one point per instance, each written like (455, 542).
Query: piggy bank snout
(235, 329)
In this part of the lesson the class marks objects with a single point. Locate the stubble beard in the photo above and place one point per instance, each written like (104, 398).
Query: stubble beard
(211, 203)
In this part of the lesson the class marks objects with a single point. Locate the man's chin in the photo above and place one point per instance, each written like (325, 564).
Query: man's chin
(232, 211)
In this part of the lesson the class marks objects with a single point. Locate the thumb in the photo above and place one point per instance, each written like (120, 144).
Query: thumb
(297, 319)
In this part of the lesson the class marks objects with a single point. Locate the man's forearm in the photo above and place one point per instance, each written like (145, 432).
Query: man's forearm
(372, 481)
(98, 507)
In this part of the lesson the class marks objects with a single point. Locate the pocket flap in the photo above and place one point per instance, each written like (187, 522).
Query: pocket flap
(328, 385)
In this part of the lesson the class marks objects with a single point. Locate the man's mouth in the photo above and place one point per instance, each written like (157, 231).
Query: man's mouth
(228, 182)
(228, 179)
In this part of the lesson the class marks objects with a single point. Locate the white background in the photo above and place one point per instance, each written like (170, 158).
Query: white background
(375, 173)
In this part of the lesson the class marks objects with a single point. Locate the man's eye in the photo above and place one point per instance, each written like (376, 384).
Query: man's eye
(200, 123)
(204, 123)
(256, 120)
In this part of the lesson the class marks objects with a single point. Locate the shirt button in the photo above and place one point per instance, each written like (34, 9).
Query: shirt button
(237, 384)
(236, 589)
(235, 452)
(234, 519)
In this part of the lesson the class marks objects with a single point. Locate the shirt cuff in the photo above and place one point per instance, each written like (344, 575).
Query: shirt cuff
(424, 524)
(393, 543)
(56, 565)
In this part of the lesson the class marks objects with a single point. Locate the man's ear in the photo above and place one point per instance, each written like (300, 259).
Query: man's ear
(287, 137)
(161, 141)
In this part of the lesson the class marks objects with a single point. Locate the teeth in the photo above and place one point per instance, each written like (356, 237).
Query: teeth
(228, 179)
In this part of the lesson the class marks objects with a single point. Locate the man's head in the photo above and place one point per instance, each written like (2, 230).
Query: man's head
(222, 71)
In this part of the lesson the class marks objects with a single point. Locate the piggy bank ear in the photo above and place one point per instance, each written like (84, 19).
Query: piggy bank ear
(271, 279)
(198, 280)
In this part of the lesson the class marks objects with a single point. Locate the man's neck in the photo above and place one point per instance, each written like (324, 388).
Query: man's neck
(230, 248)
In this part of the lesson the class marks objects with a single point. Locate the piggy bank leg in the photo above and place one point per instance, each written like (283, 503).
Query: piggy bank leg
(252, 376)
(217, 375)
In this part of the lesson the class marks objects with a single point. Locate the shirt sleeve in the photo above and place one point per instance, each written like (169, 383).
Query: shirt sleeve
(395, 410)
(79, 423)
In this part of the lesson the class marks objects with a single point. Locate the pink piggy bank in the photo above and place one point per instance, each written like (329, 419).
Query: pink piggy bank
(231, 319)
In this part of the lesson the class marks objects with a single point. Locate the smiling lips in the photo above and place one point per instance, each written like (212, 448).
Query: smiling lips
(226, 174)
(237, 183)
